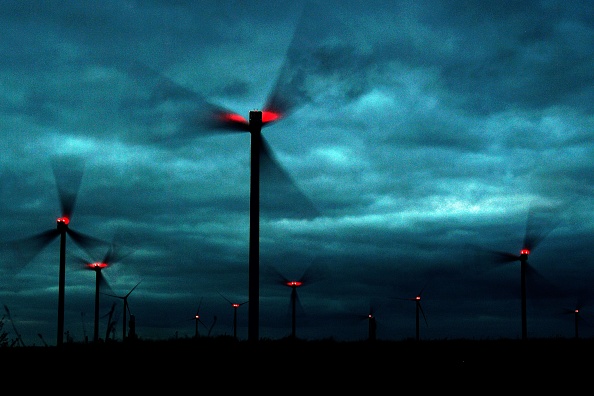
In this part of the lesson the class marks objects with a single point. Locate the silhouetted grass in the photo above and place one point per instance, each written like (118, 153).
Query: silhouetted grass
(317, 356)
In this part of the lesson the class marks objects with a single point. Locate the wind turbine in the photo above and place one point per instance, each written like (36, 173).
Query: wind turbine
(68, 172)
(198, 320)
(110, 321)
(418, 312)
(234, 306)
(540, 222)
(576, 311)
(310, 275)
(113, 255)
(372, 324)
(126, 308)
(309, 51)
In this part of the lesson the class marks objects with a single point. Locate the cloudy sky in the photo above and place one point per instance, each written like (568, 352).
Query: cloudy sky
(415, 140)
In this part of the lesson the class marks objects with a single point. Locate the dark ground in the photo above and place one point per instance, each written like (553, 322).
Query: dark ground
(293, 360)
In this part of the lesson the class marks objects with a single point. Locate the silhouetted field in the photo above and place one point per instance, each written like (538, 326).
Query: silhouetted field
(201, 359)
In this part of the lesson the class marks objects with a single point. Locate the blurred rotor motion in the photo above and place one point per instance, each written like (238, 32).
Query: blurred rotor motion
(313, 273)
(541, 221)
(115, 253)
(68, 173)
(310, 54)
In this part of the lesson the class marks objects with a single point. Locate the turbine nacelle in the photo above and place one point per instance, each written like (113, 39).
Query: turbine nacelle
(62, 223)
(97, 266)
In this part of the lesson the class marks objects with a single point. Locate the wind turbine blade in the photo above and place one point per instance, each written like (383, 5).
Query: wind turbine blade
(312, 52)
(270, 272)
(279, 194)
(116, 253)
(190, 112)
(130, 292)
(104, 284)
(315, 272)
(88, 243)
(541, 287)
(21, 252)
(423, 313)
(226, 299)
(541, 221)
(68, 173)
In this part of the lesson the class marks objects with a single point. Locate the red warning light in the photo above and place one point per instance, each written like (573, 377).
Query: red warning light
(525, 251)
(232, 117)
(294, 283)
(97, 265)
(63, 220)
(269, 116)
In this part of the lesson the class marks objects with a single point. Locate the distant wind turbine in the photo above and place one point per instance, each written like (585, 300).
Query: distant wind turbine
(234, 306)
(126, 309)
(418, 312)
(114, 254)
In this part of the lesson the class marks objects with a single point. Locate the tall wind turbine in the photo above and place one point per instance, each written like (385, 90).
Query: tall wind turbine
(205, 116)
(312, 64)
(68, 172)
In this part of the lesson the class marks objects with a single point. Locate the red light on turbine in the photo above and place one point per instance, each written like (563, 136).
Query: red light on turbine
(269, 116)
(294, 283)
(577, 311)
(232, 117)
(418, 298)
(97, 265)
(235, 305)
(63, 220)
(197, 316)
(525, 251)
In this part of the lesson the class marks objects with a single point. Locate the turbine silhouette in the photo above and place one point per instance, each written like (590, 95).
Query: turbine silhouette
(68, 172)
(198, 320)
(114, 254)
(234, 306)
(126, 309)
(418, 312)
(372, 324)
(578, 317)
(541, 221)
(311, 274)
(309, 51)
(111, 322)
